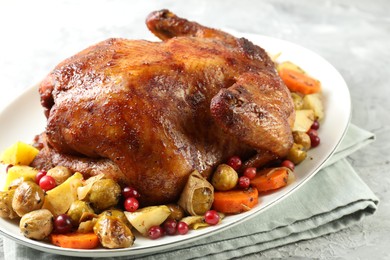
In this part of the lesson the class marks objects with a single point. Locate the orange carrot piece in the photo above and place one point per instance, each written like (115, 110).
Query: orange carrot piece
(75, 240)
(270, 179)
(299, 82)
(235, 201)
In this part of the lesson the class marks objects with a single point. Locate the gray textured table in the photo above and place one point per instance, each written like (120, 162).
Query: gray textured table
(352, 35)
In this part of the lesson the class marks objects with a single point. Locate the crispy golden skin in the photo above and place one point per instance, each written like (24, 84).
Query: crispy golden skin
(156, 111)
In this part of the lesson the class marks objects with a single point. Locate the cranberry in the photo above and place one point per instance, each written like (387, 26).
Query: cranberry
(244, 182)
(170, 226)
(250, 172)
(155, 232)
(131, 204)
(182, 228)
(289, 164)
(312, 132)
(315, 140)
(62, 224)
(211, 217)
(315, 125)
(39, 176)
(234, 162)
(130, 192)
(47, 183)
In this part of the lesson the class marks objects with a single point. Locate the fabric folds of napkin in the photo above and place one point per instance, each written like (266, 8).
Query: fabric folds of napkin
(335, 198)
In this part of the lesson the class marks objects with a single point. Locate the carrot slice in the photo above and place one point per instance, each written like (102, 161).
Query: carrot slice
(75, 240)
(270, 179)
(235, 201)
(299, 82)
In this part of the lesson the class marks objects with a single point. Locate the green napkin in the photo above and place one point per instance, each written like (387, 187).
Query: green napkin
(338, 199)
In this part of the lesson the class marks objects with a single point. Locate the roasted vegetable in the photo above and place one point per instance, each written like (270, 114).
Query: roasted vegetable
(117, 214)
(75, 240)
(60, 174)
(195, 222)
(104, 194)
(289, 65)
(37, 224)
(28, 197)
(19, 154)
(224, 178)
(83, 191)
(314, 102)
(296, 154)
(59, 199)
(19, 173)
(271, 179)
(235, 201)
(298, 101)
(112, 232)
(303, 139)
(197, 196)
(145, 218)
(76, 210)
(177, 213)
(303, 120)
(6, 210)
(299, 82)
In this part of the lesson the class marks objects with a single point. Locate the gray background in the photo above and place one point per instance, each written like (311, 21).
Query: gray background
(354, 36)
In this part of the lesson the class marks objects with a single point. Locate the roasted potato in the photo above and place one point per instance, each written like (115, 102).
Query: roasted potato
(303, 120)
(19, 173)
(143, 219)
(28, 197)
(314, 102)
(19, 154)
(6, 210)
(37, 224)
(59, 199)
(60, 174)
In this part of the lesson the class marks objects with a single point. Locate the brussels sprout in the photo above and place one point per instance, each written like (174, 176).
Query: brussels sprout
(296, 154)
(104, 194)
(224, 178)
(113, 233)
(117, 214)
(303, 139)
(177, 213)
(76, 210)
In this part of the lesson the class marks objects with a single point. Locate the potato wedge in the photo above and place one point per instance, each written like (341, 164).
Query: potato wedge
(59, 199)
(20, 173)
(19, 154)
(145, 218)
(314, 102)
(303, 120)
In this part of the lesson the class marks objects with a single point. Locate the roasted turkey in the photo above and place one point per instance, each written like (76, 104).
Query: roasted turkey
(147, 114)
